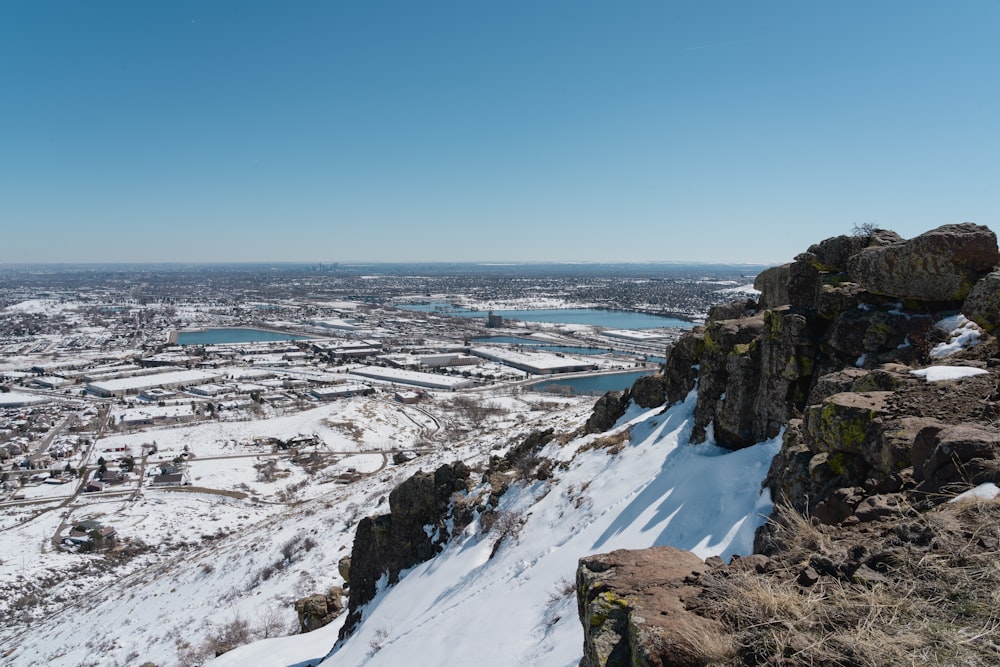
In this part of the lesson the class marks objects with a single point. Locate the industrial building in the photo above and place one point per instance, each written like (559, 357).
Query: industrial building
(137, 385)
(414, 378)
(536, 363)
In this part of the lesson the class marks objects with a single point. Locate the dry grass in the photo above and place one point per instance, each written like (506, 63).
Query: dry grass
(613, 443)
(933, 602)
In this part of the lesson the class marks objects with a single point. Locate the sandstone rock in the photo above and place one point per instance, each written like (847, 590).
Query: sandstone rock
(982, 306)
(632, 605)
(316, 611)
(649, 392)
(773, 286)
(939, 266)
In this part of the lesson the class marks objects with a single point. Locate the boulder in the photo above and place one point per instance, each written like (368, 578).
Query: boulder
(845, 422)
(831, 254)
(649, 392)
(316, 611)
(982, 306)
(938, 266)
(607, 410)
(956, 457)
(773, 286)
(834, 298)
(835, 383)
(634, 611)
(344, 568)
(732, 310)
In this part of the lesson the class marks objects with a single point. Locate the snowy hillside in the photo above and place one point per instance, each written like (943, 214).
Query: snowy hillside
(518, 607)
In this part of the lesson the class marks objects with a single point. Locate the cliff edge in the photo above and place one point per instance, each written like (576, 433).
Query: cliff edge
(875, 358)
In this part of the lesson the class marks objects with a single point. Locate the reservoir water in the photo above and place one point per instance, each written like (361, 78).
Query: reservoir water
(612, 319)
(227, 335)
(594, 385)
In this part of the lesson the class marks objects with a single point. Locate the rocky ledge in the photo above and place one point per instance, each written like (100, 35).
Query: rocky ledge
(876, 358)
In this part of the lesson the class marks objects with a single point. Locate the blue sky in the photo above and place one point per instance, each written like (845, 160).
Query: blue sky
(489, 131)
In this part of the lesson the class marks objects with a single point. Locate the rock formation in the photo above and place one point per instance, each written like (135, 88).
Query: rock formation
(387, 544)
(315, 611)
(825, 356)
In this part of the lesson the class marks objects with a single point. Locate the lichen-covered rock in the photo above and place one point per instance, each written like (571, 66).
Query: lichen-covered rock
(938, 266)
(844, 422)
(834, 299)
(729, 347)
(982, 306)
(633, 607)
(831, 254)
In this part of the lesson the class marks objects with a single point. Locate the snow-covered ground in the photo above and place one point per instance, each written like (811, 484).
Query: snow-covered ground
(517, 608)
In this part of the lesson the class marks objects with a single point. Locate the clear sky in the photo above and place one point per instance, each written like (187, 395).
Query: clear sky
(473, 130)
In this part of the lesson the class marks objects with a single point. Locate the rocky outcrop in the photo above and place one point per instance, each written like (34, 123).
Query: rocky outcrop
(982, 306)
(413, 531)
(869, 450)
(773, 286)
(316, 611)
(608, 409)
(634, 609)
(649, 391)
(938, 266)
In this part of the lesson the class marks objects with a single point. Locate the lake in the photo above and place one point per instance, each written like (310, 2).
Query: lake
(594, 385)
(227, 335)
(611, 319)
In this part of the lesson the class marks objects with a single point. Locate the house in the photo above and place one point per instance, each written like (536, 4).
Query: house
(112, 477)
(174, 479)
(94, 486)
(94, 534)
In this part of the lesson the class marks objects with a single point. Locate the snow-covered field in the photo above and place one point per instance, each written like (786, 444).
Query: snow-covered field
(259, 529)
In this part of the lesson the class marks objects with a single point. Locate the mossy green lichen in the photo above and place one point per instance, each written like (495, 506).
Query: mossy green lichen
(837, 463)
(773, 324)
(604, 605)
(843, 429)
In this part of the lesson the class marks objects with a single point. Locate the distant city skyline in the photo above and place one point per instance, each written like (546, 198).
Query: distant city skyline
(568, 131)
